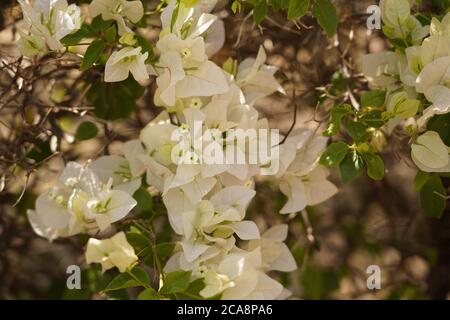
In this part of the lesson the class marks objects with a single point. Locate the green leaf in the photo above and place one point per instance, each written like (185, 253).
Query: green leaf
(280, 4)
(358, 131)
(146, 47)
(148, 294)
(351, 167)
(420, 180)
(236, 6)
(260, 11)
(325, 13)
(441, 124)
(163, 251)
(76, 37)
(40, 152)
(374, 99)
(141, 244)
(443, 4)
(114, 100)
(86, 130)
(144, 199)
(99, 25)
(319, 283)
(334, 154)
(373, 118)
(336, 115)
(432, 197)
(135, 278)
(177, 281)
(297, 9)
(193, 292)
(93, 54)
(375, 165)
(111, 34)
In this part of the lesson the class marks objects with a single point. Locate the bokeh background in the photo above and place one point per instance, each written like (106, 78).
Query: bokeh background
(366, 223)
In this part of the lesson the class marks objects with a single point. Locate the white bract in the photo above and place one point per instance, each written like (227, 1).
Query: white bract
(48, 21)
(275, 254)
(430, 154)
(79, 202)
(125, 61)
(216, 219)
(125, 172)
(31, 45)
(112, 252)
(304, 181)
(381, 68)
(118, 10)
(184, 70)
(256, 79)
(239, 277)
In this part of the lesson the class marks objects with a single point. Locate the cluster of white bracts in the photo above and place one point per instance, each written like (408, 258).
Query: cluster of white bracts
(48, 21)
(206, 203)
(422, 69)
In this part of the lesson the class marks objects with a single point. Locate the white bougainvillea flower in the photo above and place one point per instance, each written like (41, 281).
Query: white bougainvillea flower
(399, 23)
(238, 276)
(195, 21)
(125, 61)
(433, 74)
(381, 68)
(401, 106)
(112, 252)
(79, 202)
(274, 252)
(439, 96)
(176, 82)
(411, 66)
(191, 21)
(307, 147)
(109, 206)
(118, 10)
(419, 32)
(51, 20)
(438, 28)
(395, 12)
(31, 45)
(182, 199)
(191, 50)
(303, 180)
(305, 191)
(430, 154)
(125, 172)
(435, 47)
(267, 289)
(214, 37)
(204, 226)
(257, 79)
(43, 230)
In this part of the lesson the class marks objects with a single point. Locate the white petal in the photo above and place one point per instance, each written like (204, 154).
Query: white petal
(245, 230)
(295, 190)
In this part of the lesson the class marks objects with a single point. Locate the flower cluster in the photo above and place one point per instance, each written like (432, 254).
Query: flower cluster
(416, 76)
(206, 202)
(48, 21)
(79, 202)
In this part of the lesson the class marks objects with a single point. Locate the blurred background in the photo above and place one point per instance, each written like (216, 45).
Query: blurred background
(366, 223)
